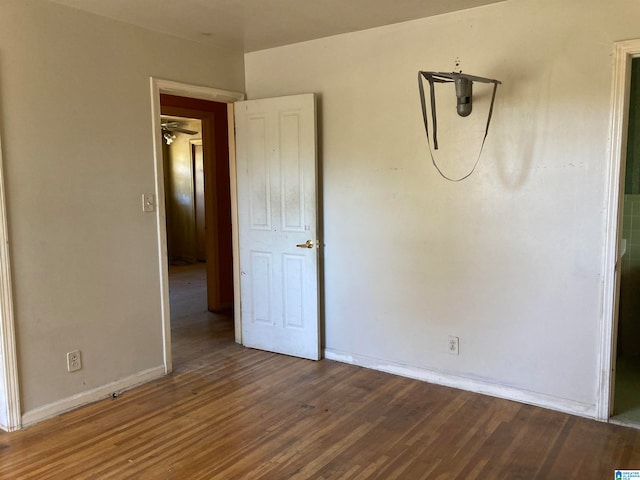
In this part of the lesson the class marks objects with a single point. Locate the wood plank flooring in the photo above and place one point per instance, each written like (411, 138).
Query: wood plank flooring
(232, 413)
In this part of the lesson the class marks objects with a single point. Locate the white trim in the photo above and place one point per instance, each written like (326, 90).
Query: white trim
(477, 386)
(161, 227)
(196, 91)
(90, 396)
(8, 355)
(237, 318)
(192, 91)
(624, 51)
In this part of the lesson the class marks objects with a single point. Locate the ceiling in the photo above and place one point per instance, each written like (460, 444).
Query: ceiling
(250, 25)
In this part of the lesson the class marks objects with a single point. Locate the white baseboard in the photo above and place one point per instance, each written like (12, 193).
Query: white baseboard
(463, 383)
(66, 404)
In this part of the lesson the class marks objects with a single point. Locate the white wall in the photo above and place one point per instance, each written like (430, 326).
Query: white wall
(76, 132)
(511, 260)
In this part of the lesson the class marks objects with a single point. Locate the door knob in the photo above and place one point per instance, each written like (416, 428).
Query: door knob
(307, 244)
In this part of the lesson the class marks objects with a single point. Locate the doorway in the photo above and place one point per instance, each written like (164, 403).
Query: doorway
(190, 93)
(198, 214)
(627, 372)
(616, 245)
(183, 160)
(207, 120)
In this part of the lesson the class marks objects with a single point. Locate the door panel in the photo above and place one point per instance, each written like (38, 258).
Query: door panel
(277, 211)
(258, 169)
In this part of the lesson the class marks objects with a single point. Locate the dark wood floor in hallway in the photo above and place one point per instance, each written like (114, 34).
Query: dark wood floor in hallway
(232, 413)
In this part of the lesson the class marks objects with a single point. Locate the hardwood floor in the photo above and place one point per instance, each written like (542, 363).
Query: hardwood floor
(232, 413)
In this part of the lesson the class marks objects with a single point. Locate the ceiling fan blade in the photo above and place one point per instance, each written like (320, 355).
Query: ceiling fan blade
(176, 127)
(182, 130)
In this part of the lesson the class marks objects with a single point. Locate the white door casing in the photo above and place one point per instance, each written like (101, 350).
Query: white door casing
(277, 219)
(624, 52)
(10, 410)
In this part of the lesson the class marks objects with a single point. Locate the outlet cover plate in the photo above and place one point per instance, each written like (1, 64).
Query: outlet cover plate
(454, 344)
(74, 361)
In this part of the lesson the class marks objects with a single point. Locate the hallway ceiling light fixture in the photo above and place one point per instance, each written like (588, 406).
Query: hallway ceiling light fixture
(168, 129)
(168, 137)
(463, 88)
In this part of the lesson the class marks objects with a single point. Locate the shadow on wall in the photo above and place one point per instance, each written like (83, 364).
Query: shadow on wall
(521, 103)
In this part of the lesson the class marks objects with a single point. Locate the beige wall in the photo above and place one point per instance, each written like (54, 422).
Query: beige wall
(75, 116)
(511, 260)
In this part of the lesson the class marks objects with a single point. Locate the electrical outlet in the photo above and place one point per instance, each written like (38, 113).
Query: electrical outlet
(454, 343)
(74, 361)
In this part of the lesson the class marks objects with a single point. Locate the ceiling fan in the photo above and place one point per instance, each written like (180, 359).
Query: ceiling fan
(169, 128)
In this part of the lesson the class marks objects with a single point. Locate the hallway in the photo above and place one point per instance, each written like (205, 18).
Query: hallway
(196, 333)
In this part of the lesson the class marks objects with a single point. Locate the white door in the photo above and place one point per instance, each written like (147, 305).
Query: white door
(277, 224)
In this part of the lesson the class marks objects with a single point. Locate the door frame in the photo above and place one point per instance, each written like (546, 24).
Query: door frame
(159, 86)
(624, 52)
(12, 416)
(192, 145)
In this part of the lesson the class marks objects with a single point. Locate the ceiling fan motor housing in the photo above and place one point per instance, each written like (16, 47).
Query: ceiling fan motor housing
(463, 93)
